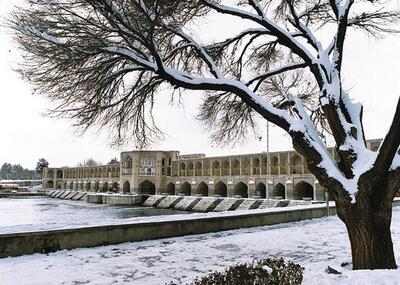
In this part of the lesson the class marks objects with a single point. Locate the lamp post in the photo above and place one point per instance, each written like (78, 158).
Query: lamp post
(268, 162)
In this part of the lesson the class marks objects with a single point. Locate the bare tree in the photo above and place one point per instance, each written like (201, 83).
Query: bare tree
(103, 61)
(88, 162)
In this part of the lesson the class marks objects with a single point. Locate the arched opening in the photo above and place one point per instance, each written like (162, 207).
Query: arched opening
(147, 188)
(202, 189)
(274, 165)
(221, 189)
(186, 189)
(65, 185)
(170, 188)
(256, 166)
(303, 190)
(50, 174)
(199, 168)
(225, 168)
(216, 168)
(59, 174)
(88, 185)
(115, 187)
(105, 187)
(295, 164)
(278, 192)
(182, 169)
(96, 186)
(71, 186)
(246, 166)
(264, 165)
(190, 169)
(50, 184)
(59, 185)
(261, 190)
(126, 188)
(241, 190)
(206, 167)
(235, 167)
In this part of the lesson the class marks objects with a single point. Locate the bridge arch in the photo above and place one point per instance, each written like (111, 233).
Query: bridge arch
(202, 189)
(147, 187)
(279, 191)
(126, 188)
(49, 184)
(105, 187)
(221, 189)
(186, 189)
(96, 186)
(241, 190)
(261, 190)
(115, 187)
(303, 190)
(170, 189)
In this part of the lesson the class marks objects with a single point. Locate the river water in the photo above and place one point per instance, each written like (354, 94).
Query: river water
(42, 213)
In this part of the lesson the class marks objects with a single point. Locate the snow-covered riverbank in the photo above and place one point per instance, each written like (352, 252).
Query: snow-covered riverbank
(314, 244)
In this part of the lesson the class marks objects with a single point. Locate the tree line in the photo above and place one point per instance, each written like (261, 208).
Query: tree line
(10, 171)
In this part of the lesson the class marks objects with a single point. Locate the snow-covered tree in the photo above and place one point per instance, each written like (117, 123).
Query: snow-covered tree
(42, 163)
(103, 61)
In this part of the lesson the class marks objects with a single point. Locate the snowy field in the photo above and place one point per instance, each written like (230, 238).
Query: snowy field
(314, 244)
(33, 214)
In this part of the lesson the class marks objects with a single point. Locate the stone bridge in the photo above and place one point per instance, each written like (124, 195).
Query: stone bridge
(279, 175)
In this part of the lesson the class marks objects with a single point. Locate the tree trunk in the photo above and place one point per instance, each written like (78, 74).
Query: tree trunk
(371, 245)
(368, 226)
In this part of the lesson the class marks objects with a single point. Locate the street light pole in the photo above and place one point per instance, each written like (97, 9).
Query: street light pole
(268, 162)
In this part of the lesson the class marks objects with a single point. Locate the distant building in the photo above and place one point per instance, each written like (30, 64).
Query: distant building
(275, 175)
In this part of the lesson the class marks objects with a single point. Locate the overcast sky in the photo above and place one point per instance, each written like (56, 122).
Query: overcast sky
(371, 71)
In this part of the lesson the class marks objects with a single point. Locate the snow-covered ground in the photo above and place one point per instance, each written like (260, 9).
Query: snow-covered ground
(34, 214)
(314, 244)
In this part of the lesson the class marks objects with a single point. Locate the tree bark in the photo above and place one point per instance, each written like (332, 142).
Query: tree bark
(371, 246)
(368, 225)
